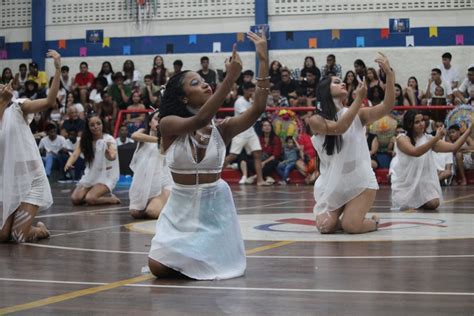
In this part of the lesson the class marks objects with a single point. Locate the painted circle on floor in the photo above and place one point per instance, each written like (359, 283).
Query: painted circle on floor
(393, 227)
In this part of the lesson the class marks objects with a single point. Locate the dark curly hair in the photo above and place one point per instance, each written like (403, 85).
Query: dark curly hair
(328, 111)
(172, 99)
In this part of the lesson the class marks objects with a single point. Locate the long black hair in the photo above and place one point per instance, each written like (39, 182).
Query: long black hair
(172, 99)
(409, 123)
(86, 140)
(327, 109)
(400, 98)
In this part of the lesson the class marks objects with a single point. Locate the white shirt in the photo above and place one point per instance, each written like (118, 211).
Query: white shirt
(449, 75)
(446, 87)
(241, 105)
(52, 146)
(67, 84)
(442, 159)
(465, 87)
(95, 96)
(128, 140)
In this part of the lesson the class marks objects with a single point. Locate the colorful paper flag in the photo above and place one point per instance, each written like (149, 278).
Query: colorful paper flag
(3, 54)
(82, 51)
(240, 37)
(26, 46)
(313, 42)
(126, 50)
(384, 33)
(289, 36)
(459, 39)
(106, 42)
(336, 34)
(62, 44)
(410, 41)
(360, 41)
(216, 47)
(192, 39)
(433, 31)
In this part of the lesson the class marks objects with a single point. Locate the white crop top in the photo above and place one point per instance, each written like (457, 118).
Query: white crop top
(179, 155)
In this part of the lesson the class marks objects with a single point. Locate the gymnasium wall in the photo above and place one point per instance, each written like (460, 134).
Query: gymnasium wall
(188, 29)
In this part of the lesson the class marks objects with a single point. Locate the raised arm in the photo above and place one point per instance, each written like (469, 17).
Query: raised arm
(240, 123)
(445, 147)
(320, 125)
(34, 106)
(404, 144)
(174, 125)
(140, 137)
(371, 114)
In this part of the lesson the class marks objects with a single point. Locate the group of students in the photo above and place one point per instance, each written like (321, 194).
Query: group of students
(197, 231)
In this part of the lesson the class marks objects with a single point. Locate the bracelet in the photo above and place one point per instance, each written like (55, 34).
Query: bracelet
(262, 79)
(263, 88)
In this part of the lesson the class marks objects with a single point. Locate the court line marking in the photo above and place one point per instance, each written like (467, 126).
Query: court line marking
(87, 230)
(108, 286)
(219, 288)
(81, 212)
(459, 198)
(255, 250)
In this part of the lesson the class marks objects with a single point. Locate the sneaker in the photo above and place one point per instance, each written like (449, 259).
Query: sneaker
(65, 180)
(234, 166)
(243, 180)
(251, 179)
(282, 182)
(270, 180)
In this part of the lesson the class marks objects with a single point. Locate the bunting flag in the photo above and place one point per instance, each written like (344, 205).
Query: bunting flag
(433, 31)
(335, 34)
(192, 39)
(169, 48)
(384, 33)
(216, 47)
(289, 36)
(313, 42)
(240, 37)
(126, 50)
(62, 44)
(106, 42)
(360, 41)
(26, 46)
(410, 41)
(3, 54)
(82, 51)
(459, 39)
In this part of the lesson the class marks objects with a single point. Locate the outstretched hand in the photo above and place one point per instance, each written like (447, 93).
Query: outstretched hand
(57, 58)
(233, 66)
(6, 91)
(361, 90)
(260, 42)
(383, 62)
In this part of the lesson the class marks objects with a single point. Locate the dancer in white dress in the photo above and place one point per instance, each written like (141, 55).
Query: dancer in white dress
(24, 187)
(416, 184)
(198, 233)
(102, 166)
(347, 184)
(152, 182)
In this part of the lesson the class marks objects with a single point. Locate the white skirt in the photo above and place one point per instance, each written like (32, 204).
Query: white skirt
(198, 233)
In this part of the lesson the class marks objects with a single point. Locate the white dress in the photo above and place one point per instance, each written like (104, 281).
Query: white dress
(101, 170)
(346, 174)
(151, 175)
(22, 175)
(417, 179)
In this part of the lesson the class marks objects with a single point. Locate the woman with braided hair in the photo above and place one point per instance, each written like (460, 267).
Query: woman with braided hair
(197, 233)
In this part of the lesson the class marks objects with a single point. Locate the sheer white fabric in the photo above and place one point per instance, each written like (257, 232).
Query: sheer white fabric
(101, 170)
(22, 175)
(198, 233)
(417, 179)
(393, 162)
(346, 174)
(151, 175)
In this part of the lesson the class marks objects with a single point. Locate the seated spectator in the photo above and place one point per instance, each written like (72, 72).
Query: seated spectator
(301, 99)
(439, 97)
(449, 73)
(72, 140)
(66, 80)
(351, 84)
(120, 93)
(107, 72)
(83, 82)
(429, 123)
(434, 81)
(53, 149)
(133, 78)
(123, 136)
(287, 86)
(308, 166)
(373, 144)
(443, 162)
(73, 121)
(71, 101)
(310, 65)
(135, 121)
(159, 73)
(177, 67)
(375, 95)
(466, 86)
(247, 76)
(20, 78)
(331, 68)
(360, 69)
(107, 111)
(274, 72)
(100, 84)
(208, 74)
(309, 86)
(32, 92)
(413, 93)
(375, 88)
(7, 76)
(400, 99)
(150, 93)
(464, 156)
(275, 99)
(38, 126)
(271, 151)
(39, 77)
(291, 153)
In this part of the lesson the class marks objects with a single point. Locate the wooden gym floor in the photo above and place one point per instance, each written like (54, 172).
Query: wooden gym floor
(418, 263)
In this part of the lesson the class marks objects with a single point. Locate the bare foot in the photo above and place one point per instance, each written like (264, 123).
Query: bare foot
(138, 214)
(463, 183)
(263, 183)
(38, 232)
(376, 218)
(116, 199)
